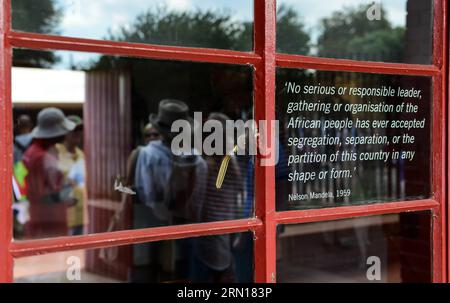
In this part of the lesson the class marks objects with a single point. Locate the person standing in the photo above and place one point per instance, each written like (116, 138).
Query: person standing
(170, 185)
(23, 136)
(213, 258)
(144, 267)
(149, 133)
(71, 163)
(22, 140)
(158, 169)
(47, 193)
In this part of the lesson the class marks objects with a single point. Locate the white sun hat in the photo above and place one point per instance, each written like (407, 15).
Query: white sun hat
(52, 123)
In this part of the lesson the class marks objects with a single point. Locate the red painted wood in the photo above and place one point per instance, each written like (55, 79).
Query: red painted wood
(305, 62)
(36, 247)
(264, 94)
(6, 262)
(445, 109)
(345, 212)
(440, 59)
(41, 41)
(264, 60)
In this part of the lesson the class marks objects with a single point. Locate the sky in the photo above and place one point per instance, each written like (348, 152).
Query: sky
(93, 18)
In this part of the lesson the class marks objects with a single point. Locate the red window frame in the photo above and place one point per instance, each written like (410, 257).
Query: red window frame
(264, 60)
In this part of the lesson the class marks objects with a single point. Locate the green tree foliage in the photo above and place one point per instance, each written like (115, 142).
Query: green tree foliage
(196, 29)
(38, 16)
(291, 34)
(381, 45)
(211, 29)
(244, 39)
(350, 34)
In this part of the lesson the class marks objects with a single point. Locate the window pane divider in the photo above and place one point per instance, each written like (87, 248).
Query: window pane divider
(346, 212)
(264, 104)
(6, 125)
(439, 142)
(49, 42)
(126, 237)
(330, 64)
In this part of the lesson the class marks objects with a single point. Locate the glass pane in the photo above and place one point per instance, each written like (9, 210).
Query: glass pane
(389, 31)
(219, 259)
(352, 138)
(115, 165)
(391, 248)
(208, 23)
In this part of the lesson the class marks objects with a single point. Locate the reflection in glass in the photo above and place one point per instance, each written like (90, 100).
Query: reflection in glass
(391, 248)
(370, 181)
(211, 23)
(388, 31)
(116, 169)
(218, 259)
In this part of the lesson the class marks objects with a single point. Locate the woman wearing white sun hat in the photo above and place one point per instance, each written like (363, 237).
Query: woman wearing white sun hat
(48, 195)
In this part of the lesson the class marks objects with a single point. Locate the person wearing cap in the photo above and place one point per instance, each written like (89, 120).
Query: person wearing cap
(47, 193)
(71, 163)
(154, 164)
(155, 175)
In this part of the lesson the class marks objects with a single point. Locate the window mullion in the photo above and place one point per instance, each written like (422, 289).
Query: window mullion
(264, 94)
(6, 261)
